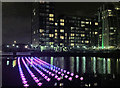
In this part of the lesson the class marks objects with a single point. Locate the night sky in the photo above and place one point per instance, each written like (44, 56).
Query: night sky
(16, 17)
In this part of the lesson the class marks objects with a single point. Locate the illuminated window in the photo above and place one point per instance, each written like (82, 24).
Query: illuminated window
(82, 35)
(72, 28)
(86, 41)
(55, 34)
(82, 21)
(51, 19)
(62, 24)
(87, 22)
(61, 37)
(72, 34)
(34, 13)
(72, 44)
(110, 15)
(51, 43)
(34, 32)
(65, 34)
(117, 8)
(61, 20)
(41, 30)
(86, 29)
(111, 27)
(96, 23)
(82, 41)
(61, 43)
(96, 33)
(82, 25)
(51, 35)
(51, 15)
(61, 30)
(109, 10)
(34, 39)
(55, 30)
(56, 24)
(90, 23)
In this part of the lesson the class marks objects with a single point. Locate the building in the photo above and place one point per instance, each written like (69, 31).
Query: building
(43, 24)
(77, 32)
(109, 28)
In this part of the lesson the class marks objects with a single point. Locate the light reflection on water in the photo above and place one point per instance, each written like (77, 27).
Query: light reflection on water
(81, 65)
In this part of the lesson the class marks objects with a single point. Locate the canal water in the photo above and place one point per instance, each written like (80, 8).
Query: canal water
(95, 71)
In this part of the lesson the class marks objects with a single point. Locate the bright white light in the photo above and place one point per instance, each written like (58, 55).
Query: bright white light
(13, 44)
(8, 46)
(17, 46)
(26, 46)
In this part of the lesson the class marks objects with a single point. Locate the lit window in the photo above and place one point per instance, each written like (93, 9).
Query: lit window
(55, 30)
(62, 24)
(51, 35)
(61, 30)
(86, 29)
(82, 21)
(51, 19)
(51, 15)
(34, 39)
(41, 30)
(86, 41)
(72, 34)
(82, 35)
(72, 44)
(117, 8)
(65, 34)
(96, 23)
(61, 37)
(82, 41)
(55, 34)
(110, 15)
(56, 24)
(87, 22)
(51, 43)
(111, 27)
(82, 25)
(109, 10)
(72, 28)
(34, 13)
(61, 43)
(96, 33)
(34, 32)
(90, 23)
(61, 20)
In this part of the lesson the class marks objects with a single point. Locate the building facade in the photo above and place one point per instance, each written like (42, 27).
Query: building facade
(109, 28)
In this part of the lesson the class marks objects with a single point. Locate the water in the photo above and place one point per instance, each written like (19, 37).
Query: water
(95, 71)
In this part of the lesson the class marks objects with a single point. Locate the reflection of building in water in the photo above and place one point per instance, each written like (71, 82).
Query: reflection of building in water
(77, 64)
(93, 65)
(14, 63)
(72, 64)
(108, 66)
(83, 65)
(99, 66)
(104, 66)
(62, 62)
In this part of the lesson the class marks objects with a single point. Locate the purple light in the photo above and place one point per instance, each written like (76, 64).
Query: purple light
(76, 76)
(23, 79)
(52, 74)
(72, 74)
(58, 68)
(36, 80)
(58, 79)
(45, 77)
(70, 78)
(66, 76)
(61, 69)
(56, 76)
(39, 84)
(48, 79)
(53, 69)
(56, 71)
(68, 72)
(81, 78)
(33, 75)
(47, 71)
(24, 82)
(59, 72)
(64, 71)
(62, 74)
(26, 85)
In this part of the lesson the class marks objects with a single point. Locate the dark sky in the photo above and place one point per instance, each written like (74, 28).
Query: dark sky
(16, 17)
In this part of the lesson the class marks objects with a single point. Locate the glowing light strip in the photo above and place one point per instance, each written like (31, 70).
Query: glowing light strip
(47, 71)
(21, 74)
(31, 73)
(40, 72)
